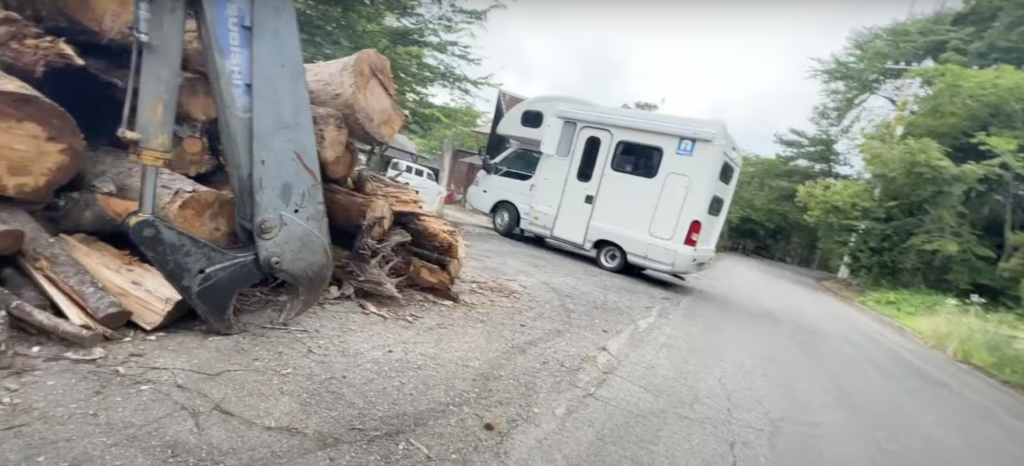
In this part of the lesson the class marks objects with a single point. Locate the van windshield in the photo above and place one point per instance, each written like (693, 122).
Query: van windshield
(519, 165)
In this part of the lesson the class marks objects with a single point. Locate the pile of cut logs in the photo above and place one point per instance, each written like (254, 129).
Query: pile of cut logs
(66, 180)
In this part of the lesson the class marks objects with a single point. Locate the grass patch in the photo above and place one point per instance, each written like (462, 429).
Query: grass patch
(990, 339)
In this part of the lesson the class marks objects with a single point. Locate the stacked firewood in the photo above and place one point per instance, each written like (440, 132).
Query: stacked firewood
(66, 181)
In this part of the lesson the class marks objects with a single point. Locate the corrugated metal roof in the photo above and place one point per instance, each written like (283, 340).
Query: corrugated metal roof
(508, 99)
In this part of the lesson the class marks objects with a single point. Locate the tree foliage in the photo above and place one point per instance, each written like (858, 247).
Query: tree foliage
(936, 200)
(429, 44)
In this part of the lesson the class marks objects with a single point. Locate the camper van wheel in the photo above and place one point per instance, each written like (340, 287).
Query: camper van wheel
(611, 258)
(506, 218)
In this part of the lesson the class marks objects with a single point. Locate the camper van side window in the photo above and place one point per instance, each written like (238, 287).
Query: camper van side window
(637, 159)
(725, 175)
(716, 206)
(565, 139)
(588, 160)
(532, 119)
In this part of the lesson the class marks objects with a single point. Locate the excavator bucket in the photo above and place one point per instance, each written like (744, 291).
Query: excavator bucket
(256, 72)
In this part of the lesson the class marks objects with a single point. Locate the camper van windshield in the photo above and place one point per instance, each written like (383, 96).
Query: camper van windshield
(519, 165)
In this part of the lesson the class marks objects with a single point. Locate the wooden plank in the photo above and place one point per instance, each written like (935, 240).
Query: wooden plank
(140, 288)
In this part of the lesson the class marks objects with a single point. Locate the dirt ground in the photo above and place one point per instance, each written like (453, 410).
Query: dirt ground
(444, 382)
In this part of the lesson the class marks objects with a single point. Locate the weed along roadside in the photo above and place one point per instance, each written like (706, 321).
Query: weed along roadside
(971, 331)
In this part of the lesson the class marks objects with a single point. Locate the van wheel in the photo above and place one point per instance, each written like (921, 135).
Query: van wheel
(505, 220)
(611, 258)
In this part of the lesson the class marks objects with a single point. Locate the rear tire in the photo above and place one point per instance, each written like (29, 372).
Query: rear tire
(505, 220)
(612, 258)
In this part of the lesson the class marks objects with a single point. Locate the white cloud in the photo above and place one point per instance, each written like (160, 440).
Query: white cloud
(742, 61)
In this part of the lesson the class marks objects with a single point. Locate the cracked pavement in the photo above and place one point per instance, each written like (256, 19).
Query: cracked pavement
(550, 361)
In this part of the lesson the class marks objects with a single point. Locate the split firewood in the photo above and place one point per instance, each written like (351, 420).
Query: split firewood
(26, 50)
(140, 288)
(401, 198)
(349, 211)
(11, 239)
(16, 282)
(337, 153)
(62, 301)
(41, 147)
(43, 320)
(361, 87)
(206, 213)
(43, 252)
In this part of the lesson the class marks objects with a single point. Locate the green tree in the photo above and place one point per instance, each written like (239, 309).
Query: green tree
(1006, 166)
(429, 44)
(642, 105)
(815, 148)
(455, 122)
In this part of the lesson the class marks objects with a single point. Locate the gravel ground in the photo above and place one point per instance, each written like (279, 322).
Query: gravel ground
(455, 384)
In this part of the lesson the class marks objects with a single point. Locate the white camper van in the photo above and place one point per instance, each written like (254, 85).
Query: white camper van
(639, 190)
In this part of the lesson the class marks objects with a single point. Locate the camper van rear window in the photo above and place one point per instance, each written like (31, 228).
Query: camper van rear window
(637, 159)
(716, 206)
(532, 119)
(725, 175)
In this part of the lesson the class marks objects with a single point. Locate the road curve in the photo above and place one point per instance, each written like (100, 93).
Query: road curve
(761, 366)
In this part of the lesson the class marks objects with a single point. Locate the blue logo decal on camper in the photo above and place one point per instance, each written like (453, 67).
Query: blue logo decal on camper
(686, 147)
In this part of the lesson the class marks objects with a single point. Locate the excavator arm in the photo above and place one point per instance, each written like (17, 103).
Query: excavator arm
(255, 67)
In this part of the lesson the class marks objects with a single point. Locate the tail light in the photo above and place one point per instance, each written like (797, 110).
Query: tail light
(693, 234)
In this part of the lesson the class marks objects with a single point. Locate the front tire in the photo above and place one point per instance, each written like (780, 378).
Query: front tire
(611, 258)
(505, 220)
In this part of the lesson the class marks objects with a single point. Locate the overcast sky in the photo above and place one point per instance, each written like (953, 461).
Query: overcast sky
(742, 61)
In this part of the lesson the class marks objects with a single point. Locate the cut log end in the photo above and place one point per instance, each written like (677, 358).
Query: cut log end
(11, 239)
(337, 154)
(42, 145)
(362, 88)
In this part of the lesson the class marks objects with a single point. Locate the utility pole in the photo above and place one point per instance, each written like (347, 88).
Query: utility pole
(447, 152)
(906, 92)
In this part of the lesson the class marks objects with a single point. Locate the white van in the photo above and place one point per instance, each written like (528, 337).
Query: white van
(639, 190)
(421, 179)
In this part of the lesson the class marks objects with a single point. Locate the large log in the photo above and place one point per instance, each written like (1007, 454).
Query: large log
(436, 235)
(204, 212)
(401, 198)
(27, 50)
(140, 288)
(43, 320)
(43, 252)
(191, 155)
(90, 22)
(361, 87)
(40, 144)
(336, 152)
(195, 99)
(350, 211)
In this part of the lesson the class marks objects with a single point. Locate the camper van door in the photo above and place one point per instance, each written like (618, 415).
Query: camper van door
(581, 184)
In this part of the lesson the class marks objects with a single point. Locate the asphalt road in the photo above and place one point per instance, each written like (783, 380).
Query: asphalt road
(547, 361)
(761, 366)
